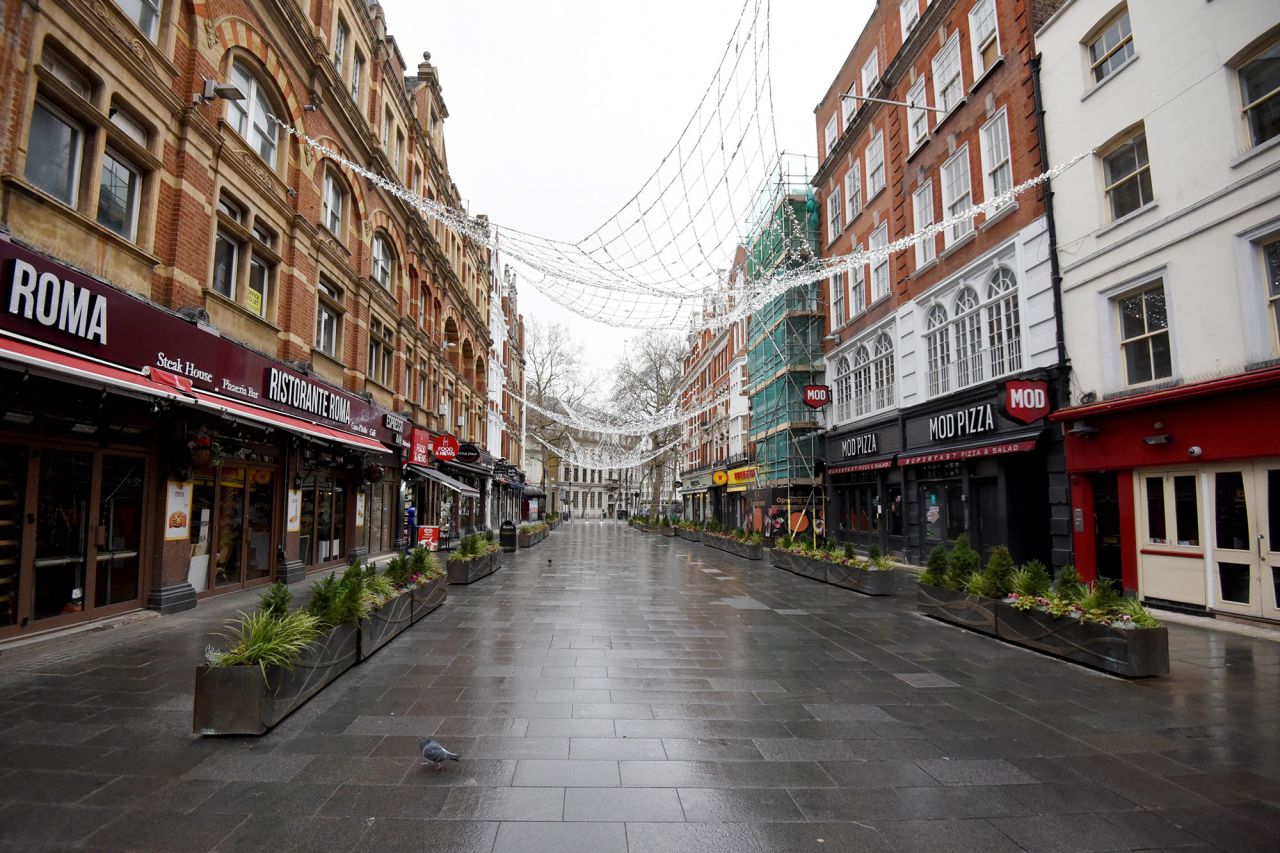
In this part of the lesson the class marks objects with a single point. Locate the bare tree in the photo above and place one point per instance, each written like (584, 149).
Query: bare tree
(647, 381)
(553, 379)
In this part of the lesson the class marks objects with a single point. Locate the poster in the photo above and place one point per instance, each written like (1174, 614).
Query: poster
(360, 510)
(177, 511)
(294, 516)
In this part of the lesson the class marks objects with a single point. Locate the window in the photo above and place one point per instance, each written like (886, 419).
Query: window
(853, 189)
(909, 13)
(968, 338)
(1157, 533)
(922, 210)
(838, 315)
(242, 254)
(835, 209)
(871, 72)
(399, 151)
(917, 119)
(144, 13)
(957, 195)
(858, 288)
(329, 319)
(1144, 335)
(357, 72)
(382, 259)
(1128, 176)
(984, 36)
(1004, 335)
(849, 105)
(118, 193)
(381, 351)
(54, 153)
(997, 166)
(1271, 257)
(258, 297)
(844, 390)
(948, 84)
(340, 47)
(1112, 47)
(226, 252)
(875, 165)
(331, 211)
(422, 383)
(882, 369)
(938, 344)
(880, 268)
(1186, 509)
(831, 135)
(249, 116)
(862, 381)
(1260, 94)
(386, 131)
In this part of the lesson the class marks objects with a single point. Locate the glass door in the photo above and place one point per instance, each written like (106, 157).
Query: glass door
(1246, 531)
(13, 493)
(1267, 484)
(61, 558)
(118, 535)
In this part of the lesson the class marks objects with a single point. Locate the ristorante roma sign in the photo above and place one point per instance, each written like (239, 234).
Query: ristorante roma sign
(55, 305)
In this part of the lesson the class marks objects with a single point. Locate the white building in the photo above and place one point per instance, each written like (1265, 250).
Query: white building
(1168, 241)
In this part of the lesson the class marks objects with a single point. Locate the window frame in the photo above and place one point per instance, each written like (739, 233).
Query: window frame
(157, 9)
(926, 249)
(1131, 139)
(381, 362)
(876, 146)
(836, 283)
(830, 135)
(853, 190)
(908, 22)
(1148, 334)
(1097, 34)
(1271, 285)
(247, 109)
(991, 168)
(1246, 106)
(329, 303)
(382, 261)
(941, 85)
(872, 64)
(341, 35)
(881, 283)
(937, 338)
(849, 105)
(884, 371)
(917, 95)
(332, 203)
(1003, 316)
(835, 209)
(134, 203)
(975, 46)
(858, 287)
(77, 158)
(357, 74)
(953, 203)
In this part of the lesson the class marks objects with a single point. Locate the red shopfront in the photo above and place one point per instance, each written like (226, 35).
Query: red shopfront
(1176, 493)
(149, 468)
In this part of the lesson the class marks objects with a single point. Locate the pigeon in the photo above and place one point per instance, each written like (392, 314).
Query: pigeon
(434, 753)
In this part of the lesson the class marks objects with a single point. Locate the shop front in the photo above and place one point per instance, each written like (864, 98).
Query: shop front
(436, 502)
(740, 509)
(865, 487)
(982, 463)
(149, 469)
(471, 466)
(1176, 494)
(506, 494)
(694, 496)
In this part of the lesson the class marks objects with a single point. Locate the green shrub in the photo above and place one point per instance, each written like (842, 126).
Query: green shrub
(263, 639)
(999, 572)
(784, 542)
(398, 570)
(1133, 608)
(276, 600)
(1099, 601)
(848, 551)
(1031, 580)
(873, 552)
(962, 562)
(1067, 584)
(881, 563)
(935, 570)
(755, 538)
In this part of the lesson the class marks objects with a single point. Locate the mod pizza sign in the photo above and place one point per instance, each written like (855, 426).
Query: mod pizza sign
(817, 396)
(1025, 400)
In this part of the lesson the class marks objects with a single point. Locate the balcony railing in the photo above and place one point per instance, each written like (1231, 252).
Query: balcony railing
(975, 366)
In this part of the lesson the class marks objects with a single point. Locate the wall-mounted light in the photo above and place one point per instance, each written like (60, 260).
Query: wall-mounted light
(213, 89)
(1160, 438)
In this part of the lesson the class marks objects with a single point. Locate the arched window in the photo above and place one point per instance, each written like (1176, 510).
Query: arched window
(382, 260)
(938, 343)
(249, 116)
(882, 370)
(968, 337)
(844, 390)
(333, 203)
(862, 381)
(1003, 330)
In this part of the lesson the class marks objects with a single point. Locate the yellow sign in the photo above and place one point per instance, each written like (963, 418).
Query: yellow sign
(740, 478)
(719, 478)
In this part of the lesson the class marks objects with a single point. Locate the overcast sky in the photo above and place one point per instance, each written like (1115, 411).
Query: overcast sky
(560, 109)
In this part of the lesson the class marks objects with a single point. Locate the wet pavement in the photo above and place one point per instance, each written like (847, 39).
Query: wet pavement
(611, 690)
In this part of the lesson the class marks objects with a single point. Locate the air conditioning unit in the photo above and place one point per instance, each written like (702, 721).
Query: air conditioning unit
(462, 420)
(444, 409)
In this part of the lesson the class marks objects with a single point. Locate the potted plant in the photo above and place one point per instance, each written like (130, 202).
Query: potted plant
(476, 558)
(943, 590)
(1089, 624)
(529, 535)
(740, 542)
(833, 564)
(691, 530)
(428, 582)
(398, 597)
(665, 527)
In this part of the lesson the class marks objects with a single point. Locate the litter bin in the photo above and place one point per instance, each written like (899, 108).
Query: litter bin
(507, 536)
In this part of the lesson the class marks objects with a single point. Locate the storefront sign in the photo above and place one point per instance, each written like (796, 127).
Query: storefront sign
(468, 453)
(719, 478)
(429, 537)
(865, 466)
(177, 511)
(817, 396)
(419, 447)
(740, 476)
(970, 421)
(969, 453)
(53, 304)
(859, 445)
(360, 509)
(1026, 400)
(395, 423)
(696, 484)
(445, 448)
(293, 520)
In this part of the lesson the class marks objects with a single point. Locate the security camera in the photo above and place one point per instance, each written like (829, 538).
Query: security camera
(1195, 450)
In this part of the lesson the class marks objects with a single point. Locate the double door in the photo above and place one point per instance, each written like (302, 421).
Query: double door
(1245, 514)
(233, 527)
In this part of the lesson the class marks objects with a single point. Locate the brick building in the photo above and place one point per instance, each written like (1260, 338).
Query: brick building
(216, 342)
(924, 348)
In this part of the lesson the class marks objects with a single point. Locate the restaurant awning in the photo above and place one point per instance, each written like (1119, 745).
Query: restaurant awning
(532, 491)
(244, 411)
(444, 480)
(1019, 442)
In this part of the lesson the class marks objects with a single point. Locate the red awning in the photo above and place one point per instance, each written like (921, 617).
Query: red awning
(236, 409)
(84, 371)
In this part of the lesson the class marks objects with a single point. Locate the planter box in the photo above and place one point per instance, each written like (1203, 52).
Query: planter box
(528, 540)
(975, 612)
(733, 546)
(691, 535)
(429, 597)
(386, 623)
(668, 532)
(859, 580)
(235, 700)
(469, 571)
(1132, 652)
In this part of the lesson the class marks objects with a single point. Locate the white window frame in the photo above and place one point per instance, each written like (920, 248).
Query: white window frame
(144, 13)
(331, 209)
(267, 270)
(830, 136)
(1112, 183)
(835, 211)
(382, 260)
(853, 190)
(922, 217)
(1247, 106)
(875, 165)
(997, 158)
(858, 287)
(849, 105)
(880, 284)
(1148, 334)
(883, 372)
(838, 304)
(871, 72)
(1004, 324)
(937, 338)
(234, 242)
(917, 119)
(340, 35)
(1098, 64)
(248, 116)
(77, 153)
(908, 15)
(329, 305)
(381, 351)
(130, 231)
(357, 72)
(947, 80)
(1271, 292)
(862, 388)
(966, 320)
(977, 42)
(954, 202)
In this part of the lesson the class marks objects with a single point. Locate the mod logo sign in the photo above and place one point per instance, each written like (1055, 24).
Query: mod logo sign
(1026, 400)
(817, 396)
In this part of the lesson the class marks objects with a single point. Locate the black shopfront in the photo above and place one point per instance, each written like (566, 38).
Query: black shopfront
(866, 507)
(983, 463)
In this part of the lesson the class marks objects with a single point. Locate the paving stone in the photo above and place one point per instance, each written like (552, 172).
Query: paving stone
(593, 837)
(567, 774)
(740, 805)
(622, 804)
